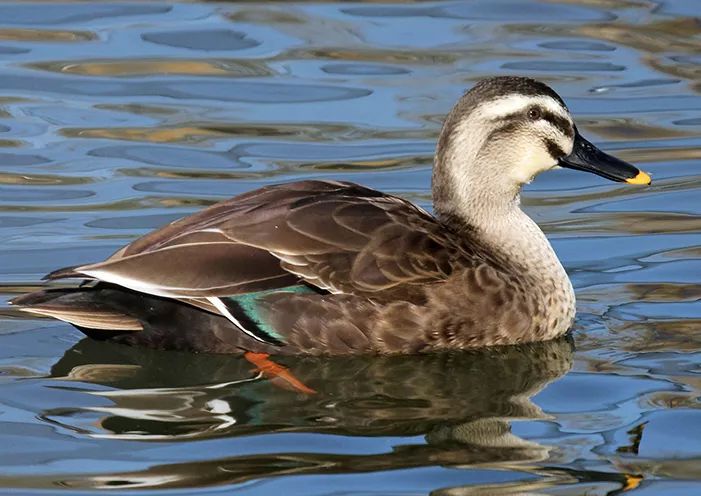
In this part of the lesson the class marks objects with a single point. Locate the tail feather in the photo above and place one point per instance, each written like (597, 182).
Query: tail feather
(78, 308)
(108, 312)
(64, 273)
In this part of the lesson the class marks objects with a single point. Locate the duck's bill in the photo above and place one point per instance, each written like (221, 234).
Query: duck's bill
(587, 157)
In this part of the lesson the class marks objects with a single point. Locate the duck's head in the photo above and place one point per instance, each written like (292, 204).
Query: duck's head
(505, 131)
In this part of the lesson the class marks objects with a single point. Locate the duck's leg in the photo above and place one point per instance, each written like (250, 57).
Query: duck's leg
(277, 374)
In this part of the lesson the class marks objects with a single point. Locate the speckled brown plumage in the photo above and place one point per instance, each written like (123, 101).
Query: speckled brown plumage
(410, 284)
(327, 267)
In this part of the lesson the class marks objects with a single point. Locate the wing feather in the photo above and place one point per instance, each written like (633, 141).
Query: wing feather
(339, 237)
(193, 270)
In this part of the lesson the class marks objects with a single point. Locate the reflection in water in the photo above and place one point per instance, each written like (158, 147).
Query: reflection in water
(135, 67)
(461, 403)
(116, 117)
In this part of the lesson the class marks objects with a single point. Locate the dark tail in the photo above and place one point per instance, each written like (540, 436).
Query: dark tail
(108, 312)
(80, 307)
(64, 273)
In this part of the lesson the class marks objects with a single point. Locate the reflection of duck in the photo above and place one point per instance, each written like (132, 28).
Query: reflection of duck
(461, 402)
(325, 267)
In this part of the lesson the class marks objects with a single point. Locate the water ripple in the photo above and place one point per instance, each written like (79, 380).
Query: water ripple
(116, 118)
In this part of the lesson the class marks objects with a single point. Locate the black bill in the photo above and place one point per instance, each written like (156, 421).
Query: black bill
(587, 157)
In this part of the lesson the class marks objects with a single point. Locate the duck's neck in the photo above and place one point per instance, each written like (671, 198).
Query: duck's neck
(470, 188)
(495, 218)
(525, 253)
(507, 231)
(516, 236)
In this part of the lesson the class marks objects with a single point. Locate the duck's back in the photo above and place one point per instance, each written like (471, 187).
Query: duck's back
(305, 267)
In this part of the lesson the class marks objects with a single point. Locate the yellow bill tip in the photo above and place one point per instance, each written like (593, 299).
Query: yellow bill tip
(641, 178)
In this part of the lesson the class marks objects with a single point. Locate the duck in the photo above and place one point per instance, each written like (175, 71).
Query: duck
(323, 267)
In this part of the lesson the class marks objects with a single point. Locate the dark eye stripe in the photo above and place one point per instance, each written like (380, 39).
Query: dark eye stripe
(554, 149)
(505, 129)
(563, 125)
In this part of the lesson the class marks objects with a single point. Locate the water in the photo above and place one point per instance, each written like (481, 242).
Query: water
(117, 118)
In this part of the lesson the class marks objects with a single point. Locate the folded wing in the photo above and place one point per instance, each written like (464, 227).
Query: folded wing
(338, 237)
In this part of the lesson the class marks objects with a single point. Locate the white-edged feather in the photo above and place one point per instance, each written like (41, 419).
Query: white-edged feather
(219, 305)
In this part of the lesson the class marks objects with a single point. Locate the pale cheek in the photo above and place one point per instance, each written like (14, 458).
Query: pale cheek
(532, 162)
(568, 147)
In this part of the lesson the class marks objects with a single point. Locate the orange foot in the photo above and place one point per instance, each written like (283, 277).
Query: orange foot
(277, 374)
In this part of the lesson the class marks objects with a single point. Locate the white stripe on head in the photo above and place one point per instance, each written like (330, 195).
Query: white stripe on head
(514, 103)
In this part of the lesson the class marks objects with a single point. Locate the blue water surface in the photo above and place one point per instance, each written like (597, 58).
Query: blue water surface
(116, 118)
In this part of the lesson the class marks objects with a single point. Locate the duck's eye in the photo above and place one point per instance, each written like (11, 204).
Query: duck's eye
(534, 113)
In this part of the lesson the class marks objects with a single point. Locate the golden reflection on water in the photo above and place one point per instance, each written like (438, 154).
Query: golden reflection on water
(149, 134)
(45, 35)
(461, 411)
(630, 129)
(674, 35)
(634, 223)
(139, 67)
(42, 179)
